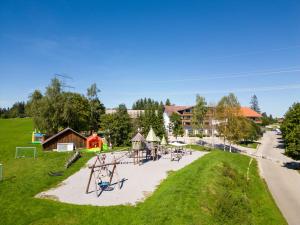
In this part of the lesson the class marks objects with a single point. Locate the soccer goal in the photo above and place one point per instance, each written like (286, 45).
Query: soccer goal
(23, 152)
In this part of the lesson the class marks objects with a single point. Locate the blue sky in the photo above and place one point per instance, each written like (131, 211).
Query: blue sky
(156, 49)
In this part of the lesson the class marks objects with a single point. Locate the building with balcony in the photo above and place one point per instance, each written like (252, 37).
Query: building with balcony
(209, 123)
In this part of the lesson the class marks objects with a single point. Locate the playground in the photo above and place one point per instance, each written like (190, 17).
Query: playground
(136, 182)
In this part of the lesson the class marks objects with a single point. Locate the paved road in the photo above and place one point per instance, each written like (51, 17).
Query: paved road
(283, 183)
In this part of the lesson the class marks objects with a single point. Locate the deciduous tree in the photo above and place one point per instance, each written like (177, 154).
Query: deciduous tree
(199, 112)
(96, 108)
(291, 131)
(176, 124)
(228, 114)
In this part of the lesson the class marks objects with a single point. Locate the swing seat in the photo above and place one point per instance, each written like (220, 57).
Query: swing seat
(103, 184)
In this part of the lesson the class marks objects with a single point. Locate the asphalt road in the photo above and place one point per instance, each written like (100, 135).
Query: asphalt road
(283, 182)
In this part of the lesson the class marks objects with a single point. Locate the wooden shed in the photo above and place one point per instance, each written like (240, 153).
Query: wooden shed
(67, 135)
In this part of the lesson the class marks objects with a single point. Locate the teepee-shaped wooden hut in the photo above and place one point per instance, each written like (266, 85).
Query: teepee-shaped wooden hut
(151, 137)
(163, 141)
(138, 142)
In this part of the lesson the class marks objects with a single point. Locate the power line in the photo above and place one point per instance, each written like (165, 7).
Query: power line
(62, 79)
(216, 76)
(239, 90)
(258, 52)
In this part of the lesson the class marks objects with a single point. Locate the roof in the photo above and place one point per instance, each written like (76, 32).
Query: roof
(132, 112)
(248, 112)
(163, 141)
(138, 137)
(94, 138)
(62, 132)
(170, 109)
(151, 137)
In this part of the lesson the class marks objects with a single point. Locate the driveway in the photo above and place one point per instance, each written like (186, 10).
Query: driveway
(284, 183)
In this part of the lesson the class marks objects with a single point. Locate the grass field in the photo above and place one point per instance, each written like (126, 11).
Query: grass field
(249, 144)
(212, 190)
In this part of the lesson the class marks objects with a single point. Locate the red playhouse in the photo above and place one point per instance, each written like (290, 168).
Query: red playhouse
(94, 141)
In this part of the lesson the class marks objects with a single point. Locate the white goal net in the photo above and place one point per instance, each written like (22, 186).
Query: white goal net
(23, 152)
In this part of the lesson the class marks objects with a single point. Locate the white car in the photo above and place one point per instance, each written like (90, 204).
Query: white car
(278, 131)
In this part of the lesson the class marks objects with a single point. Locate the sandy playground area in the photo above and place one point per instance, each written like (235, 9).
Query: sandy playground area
(138, 182)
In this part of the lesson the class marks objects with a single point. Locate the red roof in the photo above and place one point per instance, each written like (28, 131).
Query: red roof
(247, 112)
(169, 109)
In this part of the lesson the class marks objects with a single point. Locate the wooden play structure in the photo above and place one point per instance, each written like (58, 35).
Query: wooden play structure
(145, 149)
(153, 143)
(138, 147)
(94, 141)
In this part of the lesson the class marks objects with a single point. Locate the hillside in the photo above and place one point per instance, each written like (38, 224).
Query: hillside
(212, 190)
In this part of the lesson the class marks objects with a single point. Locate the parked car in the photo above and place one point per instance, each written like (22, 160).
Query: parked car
(178, 142)
(278, 131)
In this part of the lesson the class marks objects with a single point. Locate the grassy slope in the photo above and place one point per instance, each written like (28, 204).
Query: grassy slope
(212, 190)
(249, 145)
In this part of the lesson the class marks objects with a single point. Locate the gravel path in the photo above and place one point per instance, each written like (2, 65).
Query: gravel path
(139, 182)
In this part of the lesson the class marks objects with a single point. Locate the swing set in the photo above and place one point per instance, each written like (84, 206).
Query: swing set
(103, 175)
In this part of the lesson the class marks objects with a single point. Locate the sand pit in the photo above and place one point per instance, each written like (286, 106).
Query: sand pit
(139, 182)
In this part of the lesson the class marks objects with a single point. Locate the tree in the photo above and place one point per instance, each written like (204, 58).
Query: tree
(228, 114)
(32, 104)
(152, 118)
(96, 108)
(53, 106)
(75, 113)
(176, 125)
(146, 103)
(254, 104)
(57, 110)
(290, 128)
(17, 110)
(249, 131)
(199, 112)
(267, 120)
(117, 126)
(47, 110)
(168, 102)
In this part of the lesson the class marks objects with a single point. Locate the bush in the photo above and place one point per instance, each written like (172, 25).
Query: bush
(291, 131)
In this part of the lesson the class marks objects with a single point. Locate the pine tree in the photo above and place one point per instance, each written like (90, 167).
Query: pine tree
(254, 104)
(168, 102)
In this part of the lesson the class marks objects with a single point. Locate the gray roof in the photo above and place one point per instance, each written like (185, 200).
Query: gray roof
(138, 137)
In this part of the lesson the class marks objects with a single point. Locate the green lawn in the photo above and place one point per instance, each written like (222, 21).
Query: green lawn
(249, 144)
(212, 190)
(198, 147)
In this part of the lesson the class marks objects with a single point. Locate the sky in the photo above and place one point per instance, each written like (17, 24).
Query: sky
(158, 49)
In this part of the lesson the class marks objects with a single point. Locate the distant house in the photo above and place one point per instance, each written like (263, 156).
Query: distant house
(67, 135)
(185, 113)
(132, 112)
(251, 114)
